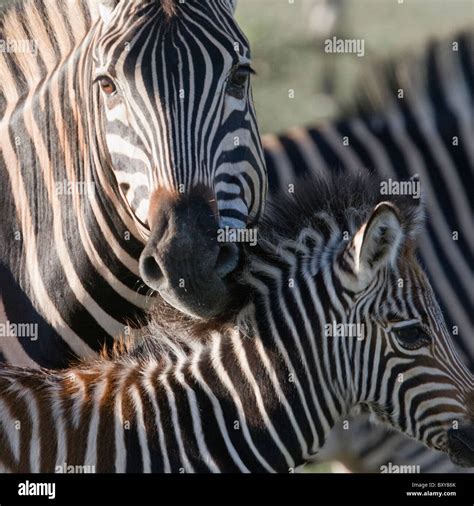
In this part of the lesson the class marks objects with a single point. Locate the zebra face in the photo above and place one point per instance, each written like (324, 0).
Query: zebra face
(182, 139)
(412, 377)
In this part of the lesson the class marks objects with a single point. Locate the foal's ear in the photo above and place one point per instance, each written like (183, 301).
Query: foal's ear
(374, 245)
(106, 10)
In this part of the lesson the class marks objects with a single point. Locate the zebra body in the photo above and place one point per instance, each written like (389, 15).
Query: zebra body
(260, 391)
(425, 131)
(125, 112)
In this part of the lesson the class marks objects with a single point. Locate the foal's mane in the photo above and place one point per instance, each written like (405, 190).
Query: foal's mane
(344, 196)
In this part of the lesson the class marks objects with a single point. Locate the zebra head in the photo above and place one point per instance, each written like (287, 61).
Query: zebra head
(181, 137)
(404, 366)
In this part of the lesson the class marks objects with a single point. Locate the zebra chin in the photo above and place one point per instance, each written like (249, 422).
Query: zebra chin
(183, 260)
(461, 445)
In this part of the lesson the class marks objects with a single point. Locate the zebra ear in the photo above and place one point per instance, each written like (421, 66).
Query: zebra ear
(106, 10)
(375, 244)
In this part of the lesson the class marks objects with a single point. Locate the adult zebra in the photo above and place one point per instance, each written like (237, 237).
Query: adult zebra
(128, 133)
(421, 124)
(262, 392)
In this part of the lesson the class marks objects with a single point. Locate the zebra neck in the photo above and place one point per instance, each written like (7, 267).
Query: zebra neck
(61, 217)
(238, 403)
(40, 37)
(241, 402)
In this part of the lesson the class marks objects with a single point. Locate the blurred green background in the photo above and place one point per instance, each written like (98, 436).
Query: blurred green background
(288, 49)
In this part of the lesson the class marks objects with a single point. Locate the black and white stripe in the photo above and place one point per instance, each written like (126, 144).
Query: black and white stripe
(262, 393)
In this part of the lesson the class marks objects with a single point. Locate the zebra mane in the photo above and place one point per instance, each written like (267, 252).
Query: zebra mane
(414, 73)
(169, 8)
(349, 198)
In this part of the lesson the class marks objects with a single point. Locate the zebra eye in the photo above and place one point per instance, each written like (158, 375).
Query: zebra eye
(412, 337)
(237, 82)
(107, 85)
(239, 78)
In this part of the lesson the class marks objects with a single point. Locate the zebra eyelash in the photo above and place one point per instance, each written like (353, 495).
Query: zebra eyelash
(251, 70)
(241, 67)
(423, 334)
(237, 89)
(104, 71)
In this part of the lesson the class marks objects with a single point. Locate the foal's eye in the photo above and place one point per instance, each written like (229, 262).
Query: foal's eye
(107, 85)
(412, 337)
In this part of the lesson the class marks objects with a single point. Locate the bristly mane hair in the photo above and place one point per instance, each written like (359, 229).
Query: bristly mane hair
(169, 8)
(344, 196)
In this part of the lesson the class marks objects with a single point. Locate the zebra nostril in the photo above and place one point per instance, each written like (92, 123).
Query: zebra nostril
(227, 259)
(150, 271)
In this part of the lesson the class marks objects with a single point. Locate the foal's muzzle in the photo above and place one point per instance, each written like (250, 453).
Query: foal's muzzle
(461, 445)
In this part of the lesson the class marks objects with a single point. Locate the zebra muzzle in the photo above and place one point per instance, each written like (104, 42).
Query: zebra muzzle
(183, 259)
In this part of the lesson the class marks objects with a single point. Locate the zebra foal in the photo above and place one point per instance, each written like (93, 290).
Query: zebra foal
(337, 314)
